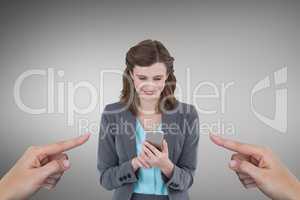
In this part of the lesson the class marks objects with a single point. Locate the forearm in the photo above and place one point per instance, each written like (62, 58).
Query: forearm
(116, 176)
(180, 178)
(168, 169)
(5, 191)
(295, 191)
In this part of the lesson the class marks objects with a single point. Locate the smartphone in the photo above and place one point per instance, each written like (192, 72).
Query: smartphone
(155, 138)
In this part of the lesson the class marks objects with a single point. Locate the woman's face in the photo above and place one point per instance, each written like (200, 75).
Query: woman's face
(149, 81)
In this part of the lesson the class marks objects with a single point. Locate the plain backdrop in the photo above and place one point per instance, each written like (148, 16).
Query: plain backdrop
(216, 42)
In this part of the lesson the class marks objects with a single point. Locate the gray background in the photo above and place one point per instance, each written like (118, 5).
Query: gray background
(220, 41)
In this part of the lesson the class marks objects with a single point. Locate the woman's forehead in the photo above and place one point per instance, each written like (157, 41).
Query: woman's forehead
(152, 70)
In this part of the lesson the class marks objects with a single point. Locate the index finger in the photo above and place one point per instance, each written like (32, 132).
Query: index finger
(62, 146)
(152, 148)
(247, 149)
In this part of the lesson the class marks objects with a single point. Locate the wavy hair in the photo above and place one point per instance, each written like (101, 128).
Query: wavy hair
(144, 54)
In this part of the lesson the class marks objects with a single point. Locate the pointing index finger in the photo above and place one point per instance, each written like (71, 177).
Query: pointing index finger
(247, 149)
(62, 146)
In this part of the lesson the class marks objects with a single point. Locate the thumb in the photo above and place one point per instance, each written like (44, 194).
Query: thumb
(54, 167)
(165, 147)
(246, 167)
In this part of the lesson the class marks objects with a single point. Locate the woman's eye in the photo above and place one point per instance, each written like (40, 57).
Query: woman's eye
(142, 78)
(157, 79)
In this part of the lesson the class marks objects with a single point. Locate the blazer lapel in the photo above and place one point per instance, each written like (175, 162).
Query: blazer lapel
(129, 138)
(168, 121)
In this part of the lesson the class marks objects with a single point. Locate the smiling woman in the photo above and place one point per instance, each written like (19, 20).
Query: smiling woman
(128, 163)
(150, 69)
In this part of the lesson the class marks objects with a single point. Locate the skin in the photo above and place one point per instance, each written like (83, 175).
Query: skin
(258, 167)
(149, 82)
(149, 79)
(40, 166)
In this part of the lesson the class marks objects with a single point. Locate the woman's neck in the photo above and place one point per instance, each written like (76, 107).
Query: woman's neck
(148, 115)
(148, 107)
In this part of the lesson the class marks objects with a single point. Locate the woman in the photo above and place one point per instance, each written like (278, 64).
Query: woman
(129, 165)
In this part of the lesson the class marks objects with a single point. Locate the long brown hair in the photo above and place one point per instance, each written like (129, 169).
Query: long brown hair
(146, 53)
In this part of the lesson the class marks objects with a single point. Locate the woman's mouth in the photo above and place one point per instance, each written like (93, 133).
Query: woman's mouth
(148, 92)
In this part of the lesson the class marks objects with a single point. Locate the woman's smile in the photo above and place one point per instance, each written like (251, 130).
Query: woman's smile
(148, 92)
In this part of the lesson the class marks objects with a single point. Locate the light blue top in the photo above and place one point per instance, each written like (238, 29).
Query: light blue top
(150, 180)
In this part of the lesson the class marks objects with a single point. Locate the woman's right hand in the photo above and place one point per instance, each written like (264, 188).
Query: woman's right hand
(139, 161)
(260, 167)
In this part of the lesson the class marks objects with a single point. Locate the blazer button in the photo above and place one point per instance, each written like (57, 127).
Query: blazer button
(121, 178)
(124, 177)
(129, 175)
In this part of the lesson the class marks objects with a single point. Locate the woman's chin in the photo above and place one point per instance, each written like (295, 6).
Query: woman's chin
(146, 97)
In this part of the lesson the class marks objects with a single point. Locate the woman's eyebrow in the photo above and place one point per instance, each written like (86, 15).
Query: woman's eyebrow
(140, 75)
(147, 76)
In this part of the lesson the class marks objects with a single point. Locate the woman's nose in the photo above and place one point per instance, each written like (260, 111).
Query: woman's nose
(149, 85)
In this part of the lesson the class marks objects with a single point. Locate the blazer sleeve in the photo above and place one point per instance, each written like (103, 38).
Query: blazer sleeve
(184, 170)
(112, 174)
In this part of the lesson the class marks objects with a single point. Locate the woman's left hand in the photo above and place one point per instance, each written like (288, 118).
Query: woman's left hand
(158, 158)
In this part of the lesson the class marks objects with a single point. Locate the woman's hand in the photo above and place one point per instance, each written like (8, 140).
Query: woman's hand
(259, 167)
(138, 162)
(40, 166)
(156, 158)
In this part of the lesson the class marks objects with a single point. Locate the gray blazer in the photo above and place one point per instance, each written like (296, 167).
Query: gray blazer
(117, 146)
